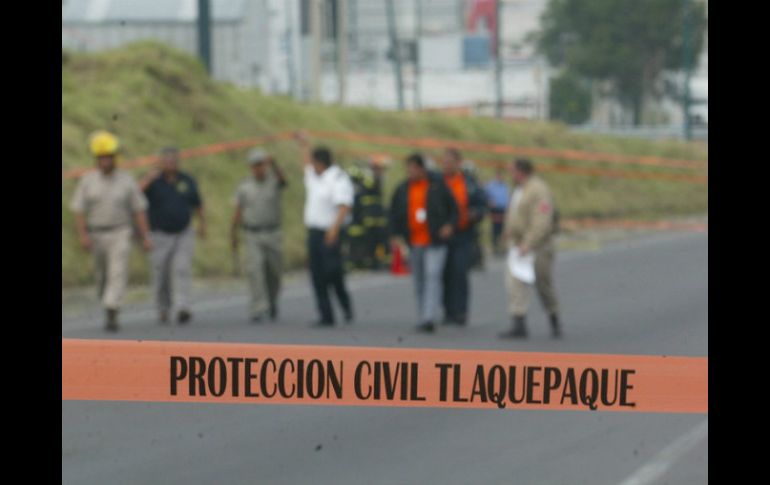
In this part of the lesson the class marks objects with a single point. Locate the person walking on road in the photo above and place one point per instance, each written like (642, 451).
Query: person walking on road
(498, 195)
(105, 203)
(423, 213)
(530, 226)
(173, 198)
(471, 206)
(258, 215)
(328, 202)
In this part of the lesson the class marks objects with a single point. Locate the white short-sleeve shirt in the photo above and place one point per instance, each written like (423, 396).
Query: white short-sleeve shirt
(324, 194)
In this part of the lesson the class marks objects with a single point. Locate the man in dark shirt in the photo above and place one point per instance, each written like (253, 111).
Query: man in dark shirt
(471, 206)
(173, 197)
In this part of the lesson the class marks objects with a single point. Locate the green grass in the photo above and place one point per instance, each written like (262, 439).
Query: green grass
(151, 95)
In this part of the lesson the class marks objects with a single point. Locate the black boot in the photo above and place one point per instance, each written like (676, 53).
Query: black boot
(555, 326)
(184, 317)
(347, 312)
(273, 311)
(519, 329)
(426, 327)
(111, 322)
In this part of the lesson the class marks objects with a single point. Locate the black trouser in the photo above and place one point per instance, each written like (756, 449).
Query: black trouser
(326, 270)
(497, 216)
(456, 281)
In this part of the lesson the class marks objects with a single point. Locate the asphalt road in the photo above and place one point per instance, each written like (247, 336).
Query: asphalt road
(646, 295)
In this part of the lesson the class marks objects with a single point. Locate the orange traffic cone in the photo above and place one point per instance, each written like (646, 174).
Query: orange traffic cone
(397, 265)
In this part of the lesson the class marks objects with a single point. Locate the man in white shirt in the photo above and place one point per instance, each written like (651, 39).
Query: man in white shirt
(329, 199)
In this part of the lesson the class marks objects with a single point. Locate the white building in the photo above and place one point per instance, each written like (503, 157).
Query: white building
(446, 78)
(261, 43)
(242, 37)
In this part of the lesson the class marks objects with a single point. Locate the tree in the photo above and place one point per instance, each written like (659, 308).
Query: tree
(570, 99)
(628, 43)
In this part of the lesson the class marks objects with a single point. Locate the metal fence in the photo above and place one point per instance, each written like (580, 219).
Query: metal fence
(648, 132)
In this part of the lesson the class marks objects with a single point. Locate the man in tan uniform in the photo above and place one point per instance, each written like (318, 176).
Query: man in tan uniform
(530, 226)
(105, 203)
(258, 214)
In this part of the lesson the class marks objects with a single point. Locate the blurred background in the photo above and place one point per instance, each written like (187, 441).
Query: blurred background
(605, 78)
(636, 68)
(608, 98)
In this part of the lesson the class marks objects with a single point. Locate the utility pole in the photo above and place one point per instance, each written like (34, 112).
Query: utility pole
(291, 77)
(498, 62)
(204, 33)
(417, 73)
(342, 49)
(686, 65)
(315, 50)
(395, 51)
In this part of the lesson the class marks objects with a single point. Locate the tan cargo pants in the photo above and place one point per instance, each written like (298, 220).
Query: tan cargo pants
(264, 266)
(111, 253)
(519, 293)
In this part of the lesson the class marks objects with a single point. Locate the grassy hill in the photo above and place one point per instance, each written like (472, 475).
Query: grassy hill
(151, 95)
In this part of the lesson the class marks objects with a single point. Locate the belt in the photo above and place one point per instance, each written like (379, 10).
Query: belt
(103, 228)
(266, 227)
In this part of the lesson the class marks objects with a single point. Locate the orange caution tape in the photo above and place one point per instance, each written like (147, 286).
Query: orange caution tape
(587, 171)
(513, 150)
(189, 153)
(438, 144)
(120, 370)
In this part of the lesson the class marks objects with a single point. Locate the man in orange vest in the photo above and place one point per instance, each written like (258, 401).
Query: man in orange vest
(423, 212)
(471, 206)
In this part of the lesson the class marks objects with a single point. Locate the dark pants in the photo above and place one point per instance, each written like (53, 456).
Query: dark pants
(497, 216)
(326, 270)
(456, 281)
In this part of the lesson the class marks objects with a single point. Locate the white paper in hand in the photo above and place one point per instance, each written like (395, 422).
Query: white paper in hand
(522, 267)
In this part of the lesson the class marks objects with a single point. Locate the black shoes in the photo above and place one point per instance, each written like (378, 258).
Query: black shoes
(257, 318)
(321, 324)
(184, 316)
(349, 316)
(519, 329)
(427, 327)
(455, 320)
(555, 326)
(111, 322)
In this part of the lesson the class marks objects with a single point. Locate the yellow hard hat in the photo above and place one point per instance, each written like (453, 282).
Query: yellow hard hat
(104, 143)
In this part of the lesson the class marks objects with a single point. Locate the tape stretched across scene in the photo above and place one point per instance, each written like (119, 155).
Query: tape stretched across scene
(563, 154)
(498, 148)
(122, 370)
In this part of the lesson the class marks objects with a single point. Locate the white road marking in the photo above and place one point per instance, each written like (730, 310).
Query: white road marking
(669, 455)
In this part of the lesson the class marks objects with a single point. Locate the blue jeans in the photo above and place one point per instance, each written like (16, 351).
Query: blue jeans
(427, 264)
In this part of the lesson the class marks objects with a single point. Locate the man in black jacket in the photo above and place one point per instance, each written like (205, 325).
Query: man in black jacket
(471, 206)
(423, 213)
